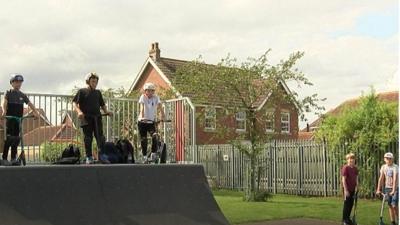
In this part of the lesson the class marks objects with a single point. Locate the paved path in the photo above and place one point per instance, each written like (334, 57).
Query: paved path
(296, 222)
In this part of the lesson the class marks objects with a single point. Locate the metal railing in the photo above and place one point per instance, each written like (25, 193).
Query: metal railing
(59, 126)
(180, 134)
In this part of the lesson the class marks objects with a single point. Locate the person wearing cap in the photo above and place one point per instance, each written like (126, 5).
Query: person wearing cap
(149, 104)
(349, 174)
(389, 180)
(87, 103)
(13, 105)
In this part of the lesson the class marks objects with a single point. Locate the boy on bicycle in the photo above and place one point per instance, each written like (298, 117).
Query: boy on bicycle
(149, 104)
(13, 105)
(87, 103)
(389, 179)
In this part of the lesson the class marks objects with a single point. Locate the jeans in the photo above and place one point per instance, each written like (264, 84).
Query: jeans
(145, 128)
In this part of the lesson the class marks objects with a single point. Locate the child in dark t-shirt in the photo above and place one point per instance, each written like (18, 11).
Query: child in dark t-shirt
(87, 103)
(13, 105)
(349, 174)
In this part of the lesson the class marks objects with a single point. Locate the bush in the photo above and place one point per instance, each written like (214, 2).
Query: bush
(51, 152)
(258, 196)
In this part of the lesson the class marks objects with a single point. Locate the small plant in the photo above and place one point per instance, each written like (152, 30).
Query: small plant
(52, 151)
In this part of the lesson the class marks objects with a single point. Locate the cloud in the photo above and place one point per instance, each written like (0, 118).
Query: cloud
(54, 43)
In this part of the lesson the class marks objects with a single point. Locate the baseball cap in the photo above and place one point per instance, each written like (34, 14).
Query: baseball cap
(388, 155)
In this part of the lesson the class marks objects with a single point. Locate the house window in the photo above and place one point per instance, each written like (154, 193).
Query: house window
(285, 122)
(270, 121)
(241, 121)
(210, 118)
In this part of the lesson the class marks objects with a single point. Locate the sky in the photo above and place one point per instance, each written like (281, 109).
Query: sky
(349, 46)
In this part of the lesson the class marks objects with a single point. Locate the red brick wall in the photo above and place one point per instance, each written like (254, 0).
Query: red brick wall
(151, 75)
(294, 121)
(214, 137)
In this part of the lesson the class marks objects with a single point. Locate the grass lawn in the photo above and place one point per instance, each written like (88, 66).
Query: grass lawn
(288, 206)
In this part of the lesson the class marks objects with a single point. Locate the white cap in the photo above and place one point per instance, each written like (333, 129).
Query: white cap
(388, 155)
(149, 86)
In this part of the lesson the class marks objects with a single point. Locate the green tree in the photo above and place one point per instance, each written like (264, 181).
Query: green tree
(248, 82)
(366, 129)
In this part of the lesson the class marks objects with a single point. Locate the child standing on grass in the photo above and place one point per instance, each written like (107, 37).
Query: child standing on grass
(350, 182)
(13, 105)
(389, 179)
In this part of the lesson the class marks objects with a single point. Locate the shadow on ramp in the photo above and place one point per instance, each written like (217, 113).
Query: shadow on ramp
(107, 195)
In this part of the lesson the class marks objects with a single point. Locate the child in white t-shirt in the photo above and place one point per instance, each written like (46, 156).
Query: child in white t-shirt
(149, 104)
(389, 180)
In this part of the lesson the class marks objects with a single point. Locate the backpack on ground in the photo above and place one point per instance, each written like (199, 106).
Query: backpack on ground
(70, 155)
(112, 153)
(126, 150)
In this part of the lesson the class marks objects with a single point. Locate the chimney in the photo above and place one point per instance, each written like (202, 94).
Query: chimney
(154, 51)
(308, 127)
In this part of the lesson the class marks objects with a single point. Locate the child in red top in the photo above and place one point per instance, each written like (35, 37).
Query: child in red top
(350, 182)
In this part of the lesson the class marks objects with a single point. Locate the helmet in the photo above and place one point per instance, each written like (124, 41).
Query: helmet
(90, 76)
(388, 155)
(16, 77)
(149, 86)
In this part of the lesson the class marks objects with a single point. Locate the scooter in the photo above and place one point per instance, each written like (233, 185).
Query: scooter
(21, 160)
(160, 156)
(382, 206)
(102, 158)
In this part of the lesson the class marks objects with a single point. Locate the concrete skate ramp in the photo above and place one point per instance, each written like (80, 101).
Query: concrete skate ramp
(107, 195)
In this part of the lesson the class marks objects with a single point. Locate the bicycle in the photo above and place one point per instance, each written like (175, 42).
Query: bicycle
(160, 155)
(21, 158)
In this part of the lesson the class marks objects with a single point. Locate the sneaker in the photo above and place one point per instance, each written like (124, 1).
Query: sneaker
(89, 160)
(15, 162)
(5, 162)
(347, 222)
(153, 156)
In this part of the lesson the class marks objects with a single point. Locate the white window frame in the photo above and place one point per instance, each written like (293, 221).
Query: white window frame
(240, 118)
(212, 117)
(270, 118)
(285, 122)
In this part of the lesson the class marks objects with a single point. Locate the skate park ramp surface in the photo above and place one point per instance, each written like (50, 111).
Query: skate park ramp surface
(107, 195)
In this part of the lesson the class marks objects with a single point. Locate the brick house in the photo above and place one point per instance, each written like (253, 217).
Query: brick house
(282, 122)
(66, 132)
(308, 132)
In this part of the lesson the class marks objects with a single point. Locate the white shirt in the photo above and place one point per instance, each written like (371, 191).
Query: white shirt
(150, 107)
(389, 172)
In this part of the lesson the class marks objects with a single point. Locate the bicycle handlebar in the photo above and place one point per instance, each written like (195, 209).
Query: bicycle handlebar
(91, 115)
(157, 121)
(19, 117)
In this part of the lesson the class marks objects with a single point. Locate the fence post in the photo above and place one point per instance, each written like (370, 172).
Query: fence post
(325, 168)
(275, 169)
(300, 173)
(233, 167)
(285, 163)
(218, 160)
